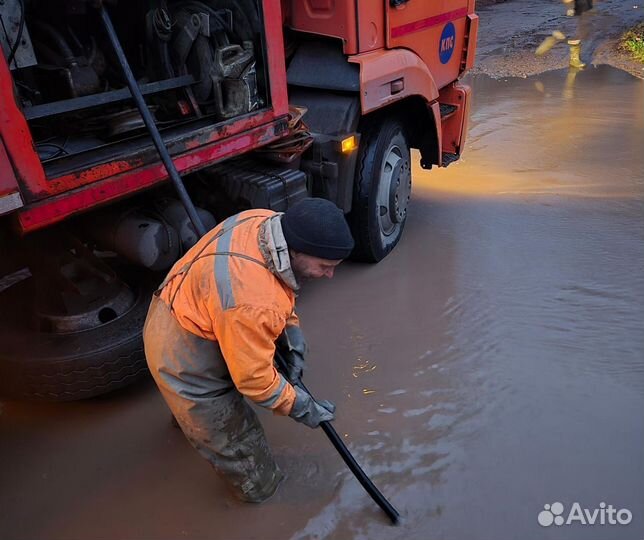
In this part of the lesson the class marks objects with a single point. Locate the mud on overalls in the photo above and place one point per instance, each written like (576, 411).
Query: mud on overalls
(191, 371)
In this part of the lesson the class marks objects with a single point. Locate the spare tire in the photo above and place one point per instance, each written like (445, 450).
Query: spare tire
(66, 367)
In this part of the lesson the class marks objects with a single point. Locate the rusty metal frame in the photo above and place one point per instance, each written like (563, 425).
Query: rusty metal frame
(49, 199)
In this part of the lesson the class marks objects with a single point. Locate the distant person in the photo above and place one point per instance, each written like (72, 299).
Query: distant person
(211, 331)
(580, 7)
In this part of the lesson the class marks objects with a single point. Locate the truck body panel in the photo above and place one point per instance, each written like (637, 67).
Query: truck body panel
(127, 167)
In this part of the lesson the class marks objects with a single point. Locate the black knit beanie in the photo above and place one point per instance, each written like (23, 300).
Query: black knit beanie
(317, 227)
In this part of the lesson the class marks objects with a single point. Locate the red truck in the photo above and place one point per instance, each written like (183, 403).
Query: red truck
(258, 102)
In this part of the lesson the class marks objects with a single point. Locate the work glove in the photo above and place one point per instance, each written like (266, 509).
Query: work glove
(309, 411)
(293, 348)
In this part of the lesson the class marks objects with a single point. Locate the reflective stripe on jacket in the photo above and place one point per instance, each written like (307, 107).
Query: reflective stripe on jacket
(233, 298)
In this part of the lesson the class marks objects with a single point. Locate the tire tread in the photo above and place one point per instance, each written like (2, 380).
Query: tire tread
(365, 250)
(79, 366)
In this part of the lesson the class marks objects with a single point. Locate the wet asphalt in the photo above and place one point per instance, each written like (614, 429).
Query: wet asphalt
(493, 364)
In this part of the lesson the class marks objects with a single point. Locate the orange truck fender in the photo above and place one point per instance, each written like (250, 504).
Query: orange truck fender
(387, 76)
(399, 77)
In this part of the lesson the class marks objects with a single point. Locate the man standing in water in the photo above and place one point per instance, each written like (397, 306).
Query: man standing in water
(211, 332)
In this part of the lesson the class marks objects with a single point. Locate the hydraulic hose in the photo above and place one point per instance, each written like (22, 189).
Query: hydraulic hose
(150, 124)
(348, 458)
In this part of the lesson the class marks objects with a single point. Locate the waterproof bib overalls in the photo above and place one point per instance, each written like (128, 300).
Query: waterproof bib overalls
(210, 340)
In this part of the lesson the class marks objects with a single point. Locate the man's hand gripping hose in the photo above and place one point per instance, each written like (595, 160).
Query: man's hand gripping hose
(323, 410)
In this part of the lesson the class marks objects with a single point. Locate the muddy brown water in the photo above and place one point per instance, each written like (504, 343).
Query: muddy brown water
(492, 365)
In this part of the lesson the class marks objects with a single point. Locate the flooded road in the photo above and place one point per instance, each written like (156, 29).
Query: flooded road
(492, 365)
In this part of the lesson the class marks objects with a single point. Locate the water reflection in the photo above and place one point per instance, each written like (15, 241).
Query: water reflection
(506, 329)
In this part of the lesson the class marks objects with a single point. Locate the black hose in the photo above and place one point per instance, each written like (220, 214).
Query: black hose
(59, 40)
(21, 29)
(348, 458)
(149, 123)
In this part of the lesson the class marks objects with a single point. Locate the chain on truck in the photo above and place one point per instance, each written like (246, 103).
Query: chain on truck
(258, 102)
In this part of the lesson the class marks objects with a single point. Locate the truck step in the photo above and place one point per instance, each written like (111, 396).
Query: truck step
(449, 158)
(447, 110)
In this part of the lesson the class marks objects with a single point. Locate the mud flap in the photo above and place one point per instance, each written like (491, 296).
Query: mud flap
(331, 118)
(454, 101)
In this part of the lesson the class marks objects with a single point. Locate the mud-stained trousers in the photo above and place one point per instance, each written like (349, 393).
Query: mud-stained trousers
(195, 383)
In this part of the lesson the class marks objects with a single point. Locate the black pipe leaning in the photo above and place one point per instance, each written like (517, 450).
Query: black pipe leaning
(348, 458)
(149, 123)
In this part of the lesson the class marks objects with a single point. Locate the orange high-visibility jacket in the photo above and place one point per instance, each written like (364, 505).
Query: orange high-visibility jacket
(234, 299)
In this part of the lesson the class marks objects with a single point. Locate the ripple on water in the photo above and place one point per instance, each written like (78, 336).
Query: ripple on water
(507, 325)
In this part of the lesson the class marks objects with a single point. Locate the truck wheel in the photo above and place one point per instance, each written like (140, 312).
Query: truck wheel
(382, 189)
(69, 366)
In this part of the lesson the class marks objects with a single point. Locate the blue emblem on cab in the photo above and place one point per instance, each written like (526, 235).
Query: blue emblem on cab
(447, 43)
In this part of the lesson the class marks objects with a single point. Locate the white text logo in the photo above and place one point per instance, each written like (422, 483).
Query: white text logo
(606, 514)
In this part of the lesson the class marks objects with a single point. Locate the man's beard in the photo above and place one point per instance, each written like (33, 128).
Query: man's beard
(300, 276)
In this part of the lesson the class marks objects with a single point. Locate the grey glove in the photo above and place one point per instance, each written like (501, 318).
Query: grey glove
(293, 347)
(309, 411)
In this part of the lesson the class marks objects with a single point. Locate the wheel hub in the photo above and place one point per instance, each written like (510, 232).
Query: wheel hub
(399, 193)
(76, 292)
(395, 190)
(96, 306)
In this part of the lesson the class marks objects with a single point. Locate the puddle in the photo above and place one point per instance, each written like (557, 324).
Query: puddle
(492, 365)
